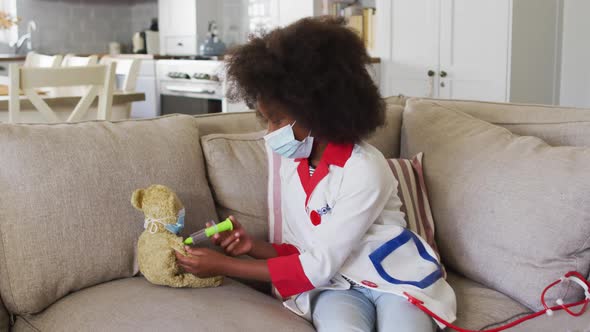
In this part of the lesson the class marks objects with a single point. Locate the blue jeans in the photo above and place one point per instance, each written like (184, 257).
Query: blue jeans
(365, 310)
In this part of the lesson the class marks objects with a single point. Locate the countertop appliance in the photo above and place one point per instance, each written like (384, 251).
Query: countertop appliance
(147, 41)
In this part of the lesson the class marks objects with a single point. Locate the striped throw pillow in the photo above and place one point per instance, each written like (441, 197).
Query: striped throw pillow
(414, 196)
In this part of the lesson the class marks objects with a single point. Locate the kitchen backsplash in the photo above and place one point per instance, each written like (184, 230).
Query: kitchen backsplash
(83, 26)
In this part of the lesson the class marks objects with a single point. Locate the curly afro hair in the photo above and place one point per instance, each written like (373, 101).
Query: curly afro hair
(316, 69)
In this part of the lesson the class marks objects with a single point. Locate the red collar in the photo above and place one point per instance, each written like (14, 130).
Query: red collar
(335, 154)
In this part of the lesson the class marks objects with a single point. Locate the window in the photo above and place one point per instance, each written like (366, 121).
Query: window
(8, 30)
(259, 12)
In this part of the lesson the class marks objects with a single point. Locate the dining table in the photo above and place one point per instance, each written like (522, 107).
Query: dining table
(63, 105)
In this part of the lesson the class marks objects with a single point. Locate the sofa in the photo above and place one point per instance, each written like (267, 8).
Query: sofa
(502, 179)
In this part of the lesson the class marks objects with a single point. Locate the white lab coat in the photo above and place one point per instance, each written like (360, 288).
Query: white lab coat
(351, 226)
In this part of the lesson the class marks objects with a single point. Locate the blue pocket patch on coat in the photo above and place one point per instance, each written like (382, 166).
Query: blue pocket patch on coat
(390, 246)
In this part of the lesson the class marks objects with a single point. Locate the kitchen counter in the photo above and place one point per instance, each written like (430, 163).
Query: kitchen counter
(11, 57)
(17, 57)
(14, 57)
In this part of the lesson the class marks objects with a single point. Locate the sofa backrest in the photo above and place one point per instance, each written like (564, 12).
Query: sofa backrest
(66, 220)
(228, 123)
(558, 126)
(386, 138)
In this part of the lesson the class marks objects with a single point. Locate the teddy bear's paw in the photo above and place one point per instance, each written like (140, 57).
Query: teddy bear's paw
(216, 281)
(196, 282)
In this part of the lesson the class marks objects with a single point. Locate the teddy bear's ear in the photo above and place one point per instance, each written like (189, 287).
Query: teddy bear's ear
(137, 198)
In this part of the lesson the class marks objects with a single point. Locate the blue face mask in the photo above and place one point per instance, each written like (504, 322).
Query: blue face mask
(177, 228)
(150, 224)
(283, 142)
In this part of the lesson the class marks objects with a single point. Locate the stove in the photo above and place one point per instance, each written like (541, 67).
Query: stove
(193, 87)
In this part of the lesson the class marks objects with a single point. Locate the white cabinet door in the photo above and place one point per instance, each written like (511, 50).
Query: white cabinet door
(146, 83)
(413, 49)
(177, 17)
(474, 49)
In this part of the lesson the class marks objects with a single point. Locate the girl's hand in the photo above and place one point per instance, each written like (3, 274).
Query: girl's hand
(202, 262)
(236, 242)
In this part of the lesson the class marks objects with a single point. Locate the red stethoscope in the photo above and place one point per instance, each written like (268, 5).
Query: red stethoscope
(571, 276)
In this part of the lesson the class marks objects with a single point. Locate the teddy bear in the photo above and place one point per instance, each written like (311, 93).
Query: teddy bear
(164, 218)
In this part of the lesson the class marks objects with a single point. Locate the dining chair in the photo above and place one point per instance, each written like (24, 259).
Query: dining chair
(71, 60)
(127, 70)
(99, 78)
(126, 75)
(34, 59)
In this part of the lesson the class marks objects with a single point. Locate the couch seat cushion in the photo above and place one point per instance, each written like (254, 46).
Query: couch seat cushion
(133, 304)
(512, 212)
(66, 219)
(480, 307)
(560, 321)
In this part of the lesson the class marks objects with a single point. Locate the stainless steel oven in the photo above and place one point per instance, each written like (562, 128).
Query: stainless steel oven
(190, 87)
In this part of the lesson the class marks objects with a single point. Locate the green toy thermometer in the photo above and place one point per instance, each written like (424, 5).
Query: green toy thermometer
(208, 232)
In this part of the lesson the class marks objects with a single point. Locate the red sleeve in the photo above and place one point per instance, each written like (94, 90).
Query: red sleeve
(287, 275)
(285, 249)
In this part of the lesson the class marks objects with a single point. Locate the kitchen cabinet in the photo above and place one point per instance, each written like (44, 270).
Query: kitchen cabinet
(147, 84)
(184, 24)
(494, 50)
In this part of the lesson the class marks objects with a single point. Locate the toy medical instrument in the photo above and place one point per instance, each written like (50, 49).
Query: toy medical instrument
(571, 276)
(206, 233)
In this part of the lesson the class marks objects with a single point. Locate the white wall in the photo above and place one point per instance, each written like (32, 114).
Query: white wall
(291, 11)
(575, 66)
(536, 43)
(142, 12)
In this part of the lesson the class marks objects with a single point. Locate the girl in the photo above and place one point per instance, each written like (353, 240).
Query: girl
(346, 257)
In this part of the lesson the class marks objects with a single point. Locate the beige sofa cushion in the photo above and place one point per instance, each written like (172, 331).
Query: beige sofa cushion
(558, 126)
(237, 172)
(228, 123)
(387, 138)
(511, 212)
(66, 221)
(133, 304)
